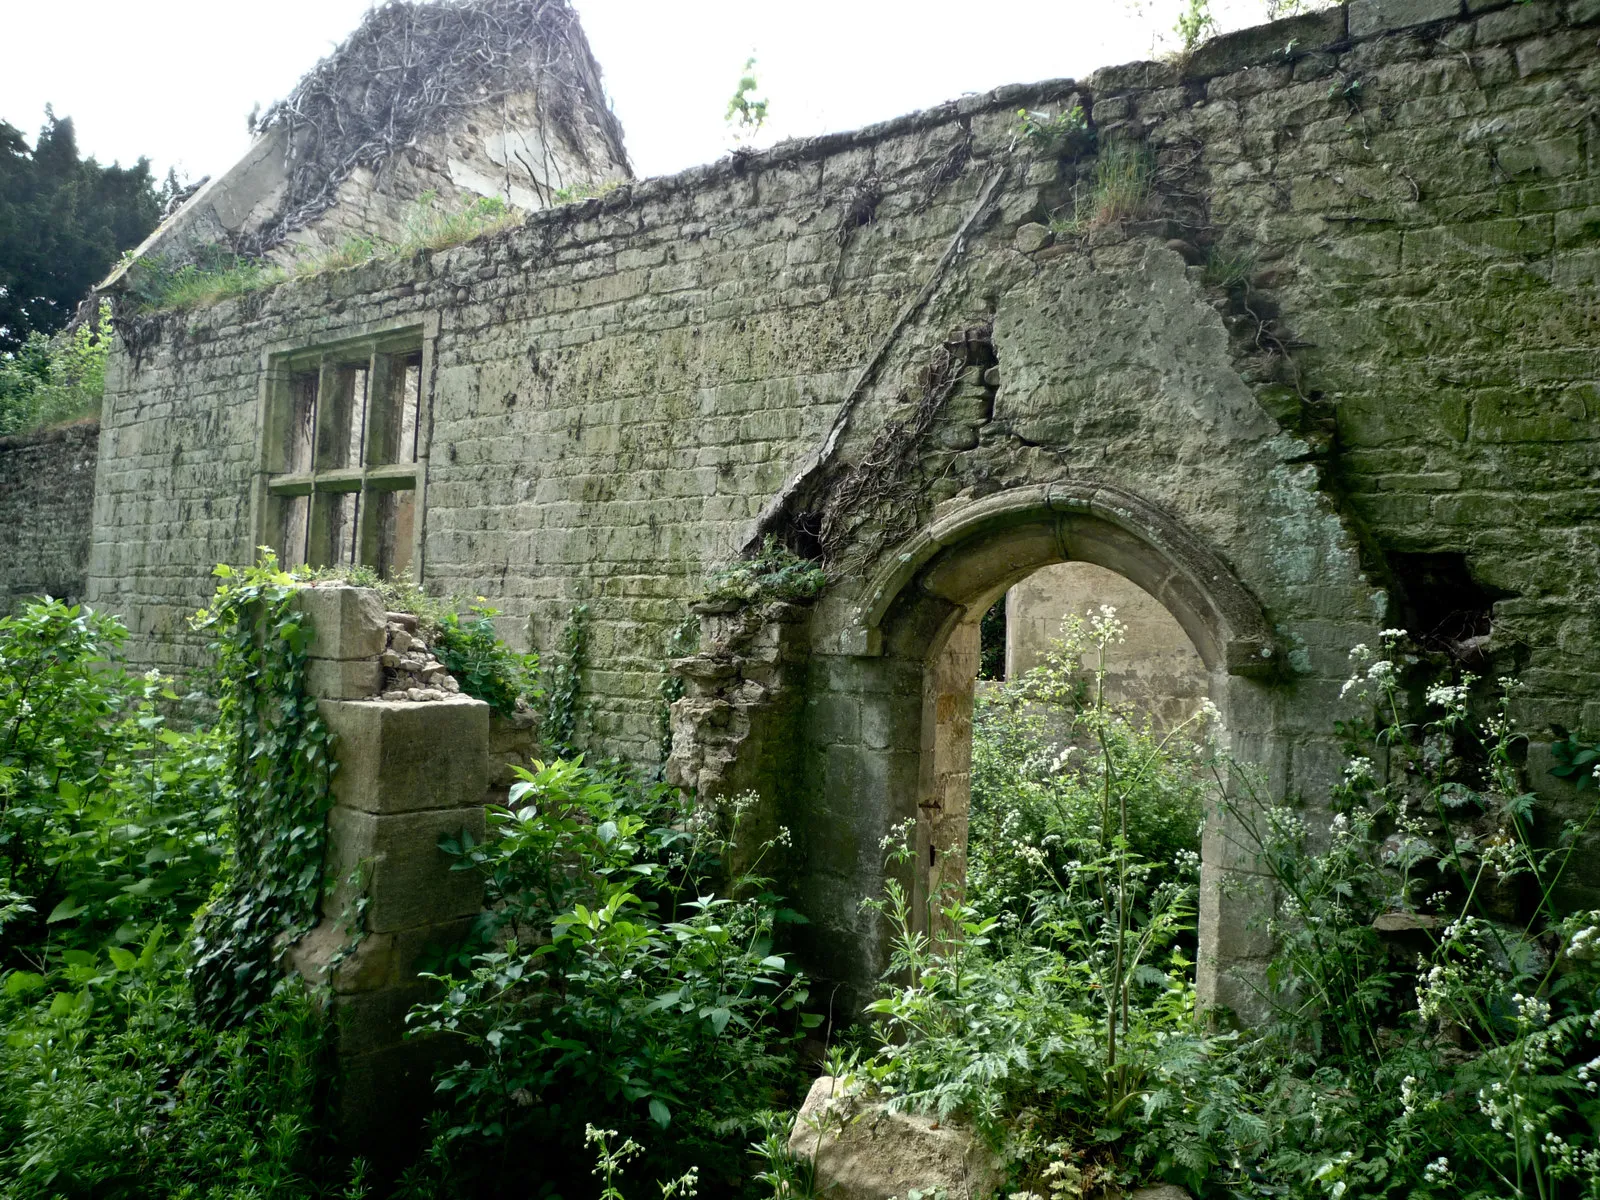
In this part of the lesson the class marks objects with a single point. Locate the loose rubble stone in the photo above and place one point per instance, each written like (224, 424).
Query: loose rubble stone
(861, 1151)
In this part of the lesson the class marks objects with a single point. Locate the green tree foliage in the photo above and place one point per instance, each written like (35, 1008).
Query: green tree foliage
(63, 222)
(54, 379)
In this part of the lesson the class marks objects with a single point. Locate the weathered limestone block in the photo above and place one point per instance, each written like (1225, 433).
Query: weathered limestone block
(1368, 17)
(396, 858)
(861, 1151)
(348, 621)
(398, 757)
(344, 679)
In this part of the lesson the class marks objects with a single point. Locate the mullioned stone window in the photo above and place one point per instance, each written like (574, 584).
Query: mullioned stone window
(343, 453)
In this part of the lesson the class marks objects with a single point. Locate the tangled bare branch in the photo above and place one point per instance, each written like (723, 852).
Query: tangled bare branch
(411, 67)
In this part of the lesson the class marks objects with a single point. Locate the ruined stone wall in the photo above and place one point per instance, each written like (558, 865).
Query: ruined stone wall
(46, 495)
(1389, 351)
(1154, 670)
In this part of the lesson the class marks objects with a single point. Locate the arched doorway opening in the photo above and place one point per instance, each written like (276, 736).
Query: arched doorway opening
(922, 614)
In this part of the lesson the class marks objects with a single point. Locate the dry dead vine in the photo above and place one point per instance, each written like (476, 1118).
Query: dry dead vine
(410, 68)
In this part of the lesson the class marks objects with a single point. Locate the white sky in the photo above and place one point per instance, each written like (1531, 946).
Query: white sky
(175, 79)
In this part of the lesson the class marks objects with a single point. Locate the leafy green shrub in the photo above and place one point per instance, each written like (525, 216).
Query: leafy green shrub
(110, 821)
(53, 380)
(612, 988)
(485, 666)
(775, 573)
(131, 1096)
(1065, 134)
(114, 828)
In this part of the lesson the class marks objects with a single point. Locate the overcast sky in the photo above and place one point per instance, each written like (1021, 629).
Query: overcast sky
(174, 80)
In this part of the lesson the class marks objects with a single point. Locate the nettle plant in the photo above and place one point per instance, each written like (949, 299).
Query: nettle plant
(616, 984)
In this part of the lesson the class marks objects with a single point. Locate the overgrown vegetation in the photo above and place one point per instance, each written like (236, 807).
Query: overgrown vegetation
(1064, 134)
(156, 285)
(617, 980)
(1118, 190)
(1057, 1011)
(55, 379)
(773, 573)
(116, 826)
(1429, 1026)
(276, 778)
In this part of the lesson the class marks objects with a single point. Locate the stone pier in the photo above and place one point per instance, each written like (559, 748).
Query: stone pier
(408, 774)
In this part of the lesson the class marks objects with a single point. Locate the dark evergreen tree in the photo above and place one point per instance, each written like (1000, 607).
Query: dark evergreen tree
(63, 222)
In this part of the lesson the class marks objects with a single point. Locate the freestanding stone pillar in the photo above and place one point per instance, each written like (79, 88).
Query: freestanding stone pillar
(408, 773)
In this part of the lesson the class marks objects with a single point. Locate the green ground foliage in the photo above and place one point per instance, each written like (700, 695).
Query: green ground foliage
(617, 980)
(1056, 1010)
(624, 1016)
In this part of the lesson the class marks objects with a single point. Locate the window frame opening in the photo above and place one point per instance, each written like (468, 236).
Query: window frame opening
(343, 452)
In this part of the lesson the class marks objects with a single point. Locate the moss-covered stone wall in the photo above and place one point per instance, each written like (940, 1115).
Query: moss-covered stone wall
(46, 495)
(1352, 345)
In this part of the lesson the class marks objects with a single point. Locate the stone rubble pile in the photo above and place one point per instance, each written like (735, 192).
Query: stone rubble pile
(410, 671)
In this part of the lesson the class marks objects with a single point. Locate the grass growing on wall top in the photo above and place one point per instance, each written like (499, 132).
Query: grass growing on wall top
(159, 288)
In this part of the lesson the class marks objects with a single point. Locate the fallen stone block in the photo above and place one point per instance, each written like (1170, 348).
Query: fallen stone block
(861, 1151)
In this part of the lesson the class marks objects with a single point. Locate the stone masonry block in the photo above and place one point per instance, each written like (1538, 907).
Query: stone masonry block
(399, 756)
(1368, 17)
(346, 622)
(1261, 44)
(407, 877)
(344, 679)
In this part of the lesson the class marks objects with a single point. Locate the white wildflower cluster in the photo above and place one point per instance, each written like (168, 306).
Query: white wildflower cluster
(1568, 1161)
(1409, 1095)
(1104, 627)
(1444, 981)
(783, 837)
(1438, 1172)
(1359, 772)
(1450, 697)
(1589, 1075)
(1286, 824)
(1391, 637)
(1187, 862)
(1032, 855)
(1585, 942)
(1532, 1012)
(898, 835)
(1502, 854)
(687, 1184)
(1378, 673)
(1509, 1111)
(1208, 711)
